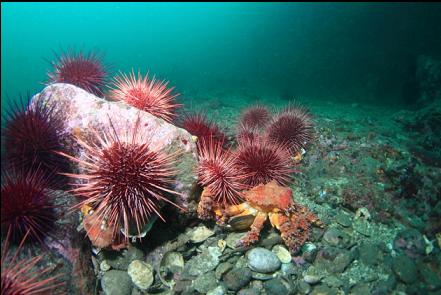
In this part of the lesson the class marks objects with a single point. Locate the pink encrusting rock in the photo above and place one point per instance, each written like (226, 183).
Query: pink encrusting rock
(84, 113)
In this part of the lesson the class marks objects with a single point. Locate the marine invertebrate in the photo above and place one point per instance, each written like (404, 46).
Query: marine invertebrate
(28, 205)
(23, 276)
(219, 174)
(150, 95)
(263, 161)
(254, 117)
(83, 70)
(125, 179)
(197, 124)
(276, 203)
(292, 127)
(32, 135)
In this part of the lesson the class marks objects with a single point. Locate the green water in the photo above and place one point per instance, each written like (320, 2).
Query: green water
(352, 52)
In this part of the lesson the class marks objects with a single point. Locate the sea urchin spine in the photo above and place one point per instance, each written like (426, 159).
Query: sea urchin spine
(124, 178)
(28, 205)
(79, 69)
(264, 161)
(150, 95)
(292, 127)
(217, 172)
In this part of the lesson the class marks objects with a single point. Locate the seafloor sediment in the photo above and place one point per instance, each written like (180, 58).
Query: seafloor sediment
(366, 176)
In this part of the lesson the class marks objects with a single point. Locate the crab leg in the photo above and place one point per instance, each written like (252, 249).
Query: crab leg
(253, 235)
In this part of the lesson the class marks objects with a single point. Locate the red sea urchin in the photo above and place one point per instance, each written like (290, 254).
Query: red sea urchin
(198, 125)
(217, 171)
(84, 71)
(23, 276)
(255, 117)
(151, 96)
(31, 137)
(264, 161)
(124, 178)
(27, 205)
(292, 127)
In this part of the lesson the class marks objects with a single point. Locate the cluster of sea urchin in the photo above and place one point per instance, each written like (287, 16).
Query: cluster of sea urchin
(124, 178)
(265, 147)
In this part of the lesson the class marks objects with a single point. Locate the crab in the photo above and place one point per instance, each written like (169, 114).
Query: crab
(265, 201)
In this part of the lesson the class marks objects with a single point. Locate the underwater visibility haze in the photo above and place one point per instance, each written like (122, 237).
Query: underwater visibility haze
(221, 148)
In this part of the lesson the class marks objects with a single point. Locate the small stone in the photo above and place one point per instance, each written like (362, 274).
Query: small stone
(335, 237)
(232, 240)
(275, 286)
(405, 269)
(309, 252)
(312, 275)
(249, 291)
(363, 227)
(237, 278)
(360, 289)
(344, 219)
(221, 269)
(205, 282)
(141, 274)
(312, 279)
(219, 290)
(262, 276)
(204, 262)
(199, 234)
(323, 290)
(282, 253)
(304, 288)
(288, 269)
(121, 260)
(116, 282)
(104, 266)
(173, 261)
(262, 260)
(272, 239)
(341, 262)
(369, 253)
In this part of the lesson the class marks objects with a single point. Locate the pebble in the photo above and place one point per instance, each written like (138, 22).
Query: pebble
(312, 279)
(249, 291)
(104, 266)
(369, 253)
(121, 260)
(303, 287)
(199, 234)
(173, 261)
(341, 262)
(219, 290)
(116, 282)
(232, 240)
(272, 239)
(204, 262)
(335, 237)
(262, 276)
(282, 253)
(262, 260)
(363, 227)
(288, 269)
(237, 278)
(275, 286)
(205, 282)
(405, 269)
(344, 219)
(141, 274)
(222, 268)
(323, 290)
